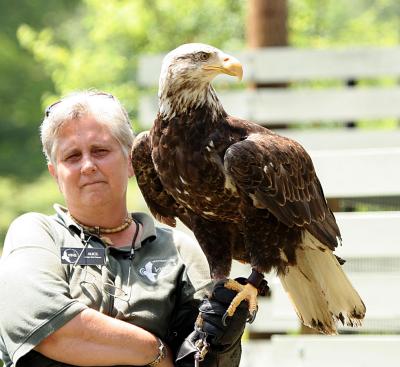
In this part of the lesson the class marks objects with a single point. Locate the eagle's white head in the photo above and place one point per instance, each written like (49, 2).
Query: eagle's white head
(186, 76)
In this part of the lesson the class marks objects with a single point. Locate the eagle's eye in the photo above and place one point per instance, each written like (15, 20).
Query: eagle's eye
(203, 56)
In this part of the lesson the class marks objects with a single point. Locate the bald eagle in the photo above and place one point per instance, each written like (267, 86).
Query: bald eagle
(246, 192)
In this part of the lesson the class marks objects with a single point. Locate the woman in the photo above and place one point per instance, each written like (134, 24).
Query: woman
(94, 285)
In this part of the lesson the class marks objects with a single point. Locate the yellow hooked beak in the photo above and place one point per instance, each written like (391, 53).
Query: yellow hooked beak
(227, 65)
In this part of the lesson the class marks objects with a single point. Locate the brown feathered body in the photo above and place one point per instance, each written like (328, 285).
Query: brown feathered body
(245, 192)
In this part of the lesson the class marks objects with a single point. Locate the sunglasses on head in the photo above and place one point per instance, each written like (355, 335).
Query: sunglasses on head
(48, 109)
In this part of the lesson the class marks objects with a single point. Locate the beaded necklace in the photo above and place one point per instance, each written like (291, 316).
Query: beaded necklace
(100, 231)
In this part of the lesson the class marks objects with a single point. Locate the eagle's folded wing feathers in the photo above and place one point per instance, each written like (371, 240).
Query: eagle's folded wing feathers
(161, 204)
(278, 175)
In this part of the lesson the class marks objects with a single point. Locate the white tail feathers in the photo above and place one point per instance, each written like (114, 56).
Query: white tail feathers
(319, 289)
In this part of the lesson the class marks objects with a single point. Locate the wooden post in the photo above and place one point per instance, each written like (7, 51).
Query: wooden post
(267, 27)
(267, 23)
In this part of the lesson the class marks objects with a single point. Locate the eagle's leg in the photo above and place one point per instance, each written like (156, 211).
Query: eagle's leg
(255, 284)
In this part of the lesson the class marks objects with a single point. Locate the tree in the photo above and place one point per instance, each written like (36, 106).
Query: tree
(22, 85)
(314, 23)
(99, 47)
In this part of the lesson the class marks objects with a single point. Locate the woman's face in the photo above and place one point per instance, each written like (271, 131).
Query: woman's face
(91, 169)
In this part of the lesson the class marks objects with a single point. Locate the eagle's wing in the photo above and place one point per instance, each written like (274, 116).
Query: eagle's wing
(277, 174)
(162, 205)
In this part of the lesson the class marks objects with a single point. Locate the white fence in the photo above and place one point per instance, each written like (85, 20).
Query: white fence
(316, 351)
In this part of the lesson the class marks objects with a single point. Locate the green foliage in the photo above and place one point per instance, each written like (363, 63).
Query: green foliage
(16, 198)
(314, 23)
(22, 84)
(99, 47)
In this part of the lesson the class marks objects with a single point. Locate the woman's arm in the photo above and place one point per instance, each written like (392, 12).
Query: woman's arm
(94, 339)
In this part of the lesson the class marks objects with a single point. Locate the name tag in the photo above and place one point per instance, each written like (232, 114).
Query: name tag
(83, 256)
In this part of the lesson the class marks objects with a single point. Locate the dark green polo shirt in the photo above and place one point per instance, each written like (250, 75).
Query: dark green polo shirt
(42, 287)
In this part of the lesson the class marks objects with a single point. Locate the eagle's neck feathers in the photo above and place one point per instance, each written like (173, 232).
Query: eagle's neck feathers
(177, 99)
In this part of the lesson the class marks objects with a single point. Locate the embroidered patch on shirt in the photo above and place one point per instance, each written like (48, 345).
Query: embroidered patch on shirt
(155, 269)
(82, 256)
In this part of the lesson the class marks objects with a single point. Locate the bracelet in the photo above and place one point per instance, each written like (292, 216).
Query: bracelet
(162, 353)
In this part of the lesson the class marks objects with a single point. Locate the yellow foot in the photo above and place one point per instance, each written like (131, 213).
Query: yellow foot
(245, 292)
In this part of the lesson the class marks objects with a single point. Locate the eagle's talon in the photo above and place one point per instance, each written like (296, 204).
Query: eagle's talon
(252, 316)
(224, 317)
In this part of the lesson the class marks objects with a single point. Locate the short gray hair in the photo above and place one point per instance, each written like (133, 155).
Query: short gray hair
(103, 107)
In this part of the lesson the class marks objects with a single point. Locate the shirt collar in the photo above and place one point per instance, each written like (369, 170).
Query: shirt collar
(148, 234)
(149, 230)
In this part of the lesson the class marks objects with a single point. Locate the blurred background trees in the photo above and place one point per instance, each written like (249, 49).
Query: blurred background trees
(50, 48)
(23, 83)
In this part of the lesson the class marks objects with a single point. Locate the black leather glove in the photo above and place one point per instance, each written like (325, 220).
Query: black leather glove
(219, 339)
